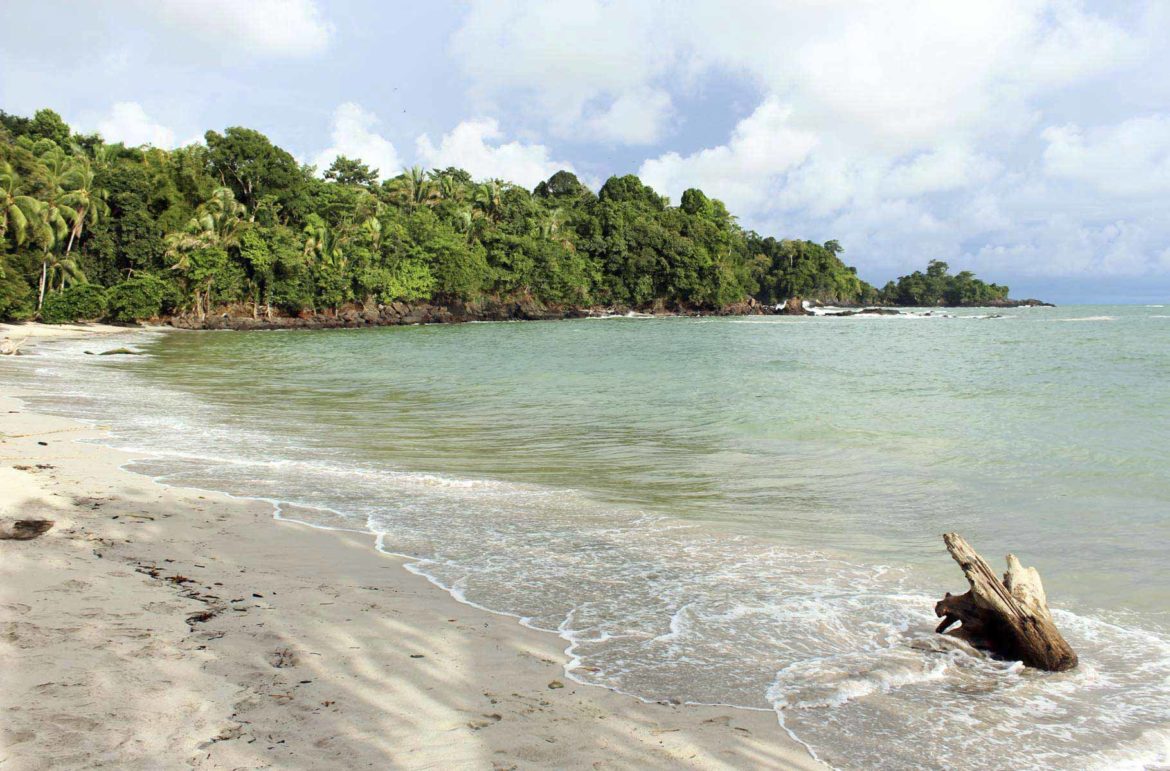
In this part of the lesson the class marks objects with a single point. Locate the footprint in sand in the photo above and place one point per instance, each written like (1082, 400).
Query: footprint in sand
(491, 719)
(282, 657)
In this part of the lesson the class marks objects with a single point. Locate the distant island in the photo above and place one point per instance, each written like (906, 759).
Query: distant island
(237, 233)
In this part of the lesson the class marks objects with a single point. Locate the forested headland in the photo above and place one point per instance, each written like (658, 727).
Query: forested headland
(91, 230)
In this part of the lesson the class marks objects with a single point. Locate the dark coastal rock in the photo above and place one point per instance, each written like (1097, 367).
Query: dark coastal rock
(453, 312)
(868, 312)
(1028, 303)
(751, 307)
(413, 316)
(794, 306)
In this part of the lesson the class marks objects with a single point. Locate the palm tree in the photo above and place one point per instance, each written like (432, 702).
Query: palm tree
(86, 198)
(465, 222)
(54, 218)
(449, 188)
(549, 227)
(56, 164)
(488, 198)
(326, 245)
(371, 227)
(221, 217)
(367, 215)
(218, 222)
(327, 248)
(53, 223)
(414, 189)
(17, 212)
(181, 246)
(64, 272)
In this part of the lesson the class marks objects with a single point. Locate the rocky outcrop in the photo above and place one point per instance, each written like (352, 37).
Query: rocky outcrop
(516, 309)
(868, 312)
(1029, 303)
(749, 307)
(794, 306)
(393, 314)
(400, 313)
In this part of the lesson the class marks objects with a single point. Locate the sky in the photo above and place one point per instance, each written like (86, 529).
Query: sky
(1026, 140)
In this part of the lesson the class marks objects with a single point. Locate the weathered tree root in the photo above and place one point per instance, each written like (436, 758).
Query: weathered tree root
(1009, 618)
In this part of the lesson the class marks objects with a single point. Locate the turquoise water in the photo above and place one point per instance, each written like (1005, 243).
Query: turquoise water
(744, 511)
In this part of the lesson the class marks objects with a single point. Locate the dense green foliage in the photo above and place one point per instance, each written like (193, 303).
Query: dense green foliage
(83, 302)
(142, 296)
(938, 287)
(237, 224)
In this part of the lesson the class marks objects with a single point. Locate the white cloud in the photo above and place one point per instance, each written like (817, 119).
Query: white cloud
(739, 173)
(635, 117)
(1114, 248)
(128, 123)
(473, 145)
(354, 136)
(895, 75)
(470, 146)
(271, 27)
(575, 67)
(950, 166)
(1131, 158)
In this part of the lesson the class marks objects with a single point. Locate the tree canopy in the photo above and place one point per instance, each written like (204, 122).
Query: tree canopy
(237, 224)
(938, 287)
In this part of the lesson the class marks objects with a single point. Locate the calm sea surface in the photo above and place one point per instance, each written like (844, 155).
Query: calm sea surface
(742, 511)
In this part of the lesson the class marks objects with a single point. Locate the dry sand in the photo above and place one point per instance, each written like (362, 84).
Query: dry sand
(32, 331)
(157, 627)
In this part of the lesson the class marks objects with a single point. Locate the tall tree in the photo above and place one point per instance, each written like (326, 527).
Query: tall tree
(85, 197)
(247, 162)
(347, 171)
(46, 124)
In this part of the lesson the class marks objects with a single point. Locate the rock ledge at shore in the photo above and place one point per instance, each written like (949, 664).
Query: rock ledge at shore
(404, 314)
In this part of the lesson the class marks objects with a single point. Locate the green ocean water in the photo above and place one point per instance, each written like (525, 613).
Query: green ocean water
(743, 511)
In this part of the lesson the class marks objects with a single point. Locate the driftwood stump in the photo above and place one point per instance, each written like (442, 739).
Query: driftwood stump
(1009, 618)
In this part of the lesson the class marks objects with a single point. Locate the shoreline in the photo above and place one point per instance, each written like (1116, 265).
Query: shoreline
(408, 314)
(411, 314)
(316, 648)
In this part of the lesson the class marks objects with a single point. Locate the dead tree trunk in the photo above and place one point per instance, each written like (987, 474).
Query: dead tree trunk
(1010, 618)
